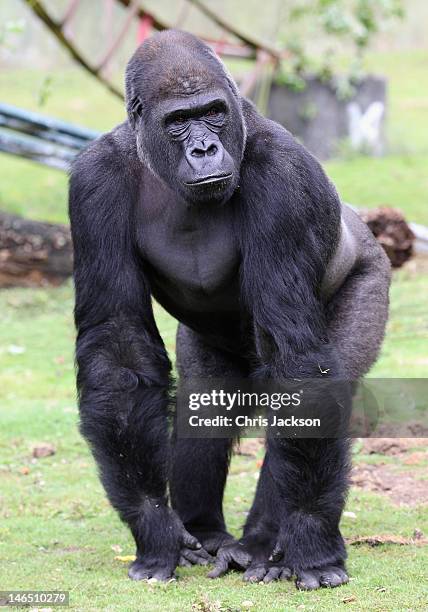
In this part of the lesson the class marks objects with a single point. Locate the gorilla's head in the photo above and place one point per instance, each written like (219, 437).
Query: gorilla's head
(186, 112)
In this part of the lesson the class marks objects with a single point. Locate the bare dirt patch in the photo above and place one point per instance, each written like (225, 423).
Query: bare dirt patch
(418, 539)
(402, 487)
(391, 446)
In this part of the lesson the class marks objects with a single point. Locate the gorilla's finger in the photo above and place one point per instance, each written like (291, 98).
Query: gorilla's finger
(204, 554)
(241, 558)
(183, 562)
(273, 574)
(220, 568)
(190, 541)
(193, 557)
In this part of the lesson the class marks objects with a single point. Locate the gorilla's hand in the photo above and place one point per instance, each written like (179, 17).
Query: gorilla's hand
(233, 555)
(160, 565)
(213, 540)
(192, 552)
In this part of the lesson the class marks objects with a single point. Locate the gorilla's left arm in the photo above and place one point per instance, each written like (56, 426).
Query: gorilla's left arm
(289, 229)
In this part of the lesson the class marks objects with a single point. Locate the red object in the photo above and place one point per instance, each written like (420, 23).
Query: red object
(219, 46)
(144, 28)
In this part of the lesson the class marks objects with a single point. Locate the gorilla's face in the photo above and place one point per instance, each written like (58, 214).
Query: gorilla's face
(197, 130)
(189, 125)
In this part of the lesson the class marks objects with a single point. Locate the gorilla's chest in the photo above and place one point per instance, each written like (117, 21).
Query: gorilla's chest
(193, 257)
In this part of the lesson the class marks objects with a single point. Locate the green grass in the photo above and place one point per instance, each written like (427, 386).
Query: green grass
(400, 181)
(404, 353)
(57, 529)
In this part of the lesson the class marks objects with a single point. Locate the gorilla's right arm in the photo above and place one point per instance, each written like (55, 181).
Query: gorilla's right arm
(123, 368)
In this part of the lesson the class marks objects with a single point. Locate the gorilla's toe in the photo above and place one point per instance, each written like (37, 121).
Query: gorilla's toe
(333, 576)
(267, 572)
(308, 581)
(329, 576)
(255, 573)
(277, 573)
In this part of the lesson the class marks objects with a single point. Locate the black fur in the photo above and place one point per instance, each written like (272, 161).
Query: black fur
(233, 226)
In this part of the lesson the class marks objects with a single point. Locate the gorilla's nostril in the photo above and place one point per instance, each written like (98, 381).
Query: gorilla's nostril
(203, 150)
(198, 152)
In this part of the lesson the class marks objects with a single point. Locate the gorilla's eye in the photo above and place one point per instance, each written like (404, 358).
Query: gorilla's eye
(215, 113)
(176, 124)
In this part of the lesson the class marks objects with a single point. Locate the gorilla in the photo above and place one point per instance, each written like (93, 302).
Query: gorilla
(232, 226)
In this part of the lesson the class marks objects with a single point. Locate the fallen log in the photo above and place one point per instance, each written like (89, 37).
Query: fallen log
(33, 253)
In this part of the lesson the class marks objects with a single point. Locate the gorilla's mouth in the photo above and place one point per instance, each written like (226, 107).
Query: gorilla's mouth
(208, 180)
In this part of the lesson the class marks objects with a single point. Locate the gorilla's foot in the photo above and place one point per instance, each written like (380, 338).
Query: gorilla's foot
(266, 572)
(161, 566)
(328, 576)
(151, 568)
(306, 580)
(313, 549)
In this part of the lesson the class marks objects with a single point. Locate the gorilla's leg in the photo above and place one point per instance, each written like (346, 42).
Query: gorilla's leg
(261, 530)
(199, 467)
(315, 551)
(258, 540)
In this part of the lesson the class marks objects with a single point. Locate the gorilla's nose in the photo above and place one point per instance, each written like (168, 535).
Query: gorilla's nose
(203, 148)
(205, 155)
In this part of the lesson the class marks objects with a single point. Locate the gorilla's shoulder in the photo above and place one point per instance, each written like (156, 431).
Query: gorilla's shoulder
(270, 142)
(106, 171)
(280, 165)
(114, 152)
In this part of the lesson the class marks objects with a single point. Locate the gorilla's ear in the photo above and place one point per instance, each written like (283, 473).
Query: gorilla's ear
(135, 110)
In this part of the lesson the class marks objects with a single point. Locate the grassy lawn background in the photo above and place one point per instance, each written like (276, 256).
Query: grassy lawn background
(56, 527)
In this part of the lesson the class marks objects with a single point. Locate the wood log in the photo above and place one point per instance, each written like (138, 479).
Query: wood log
(33, 253)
